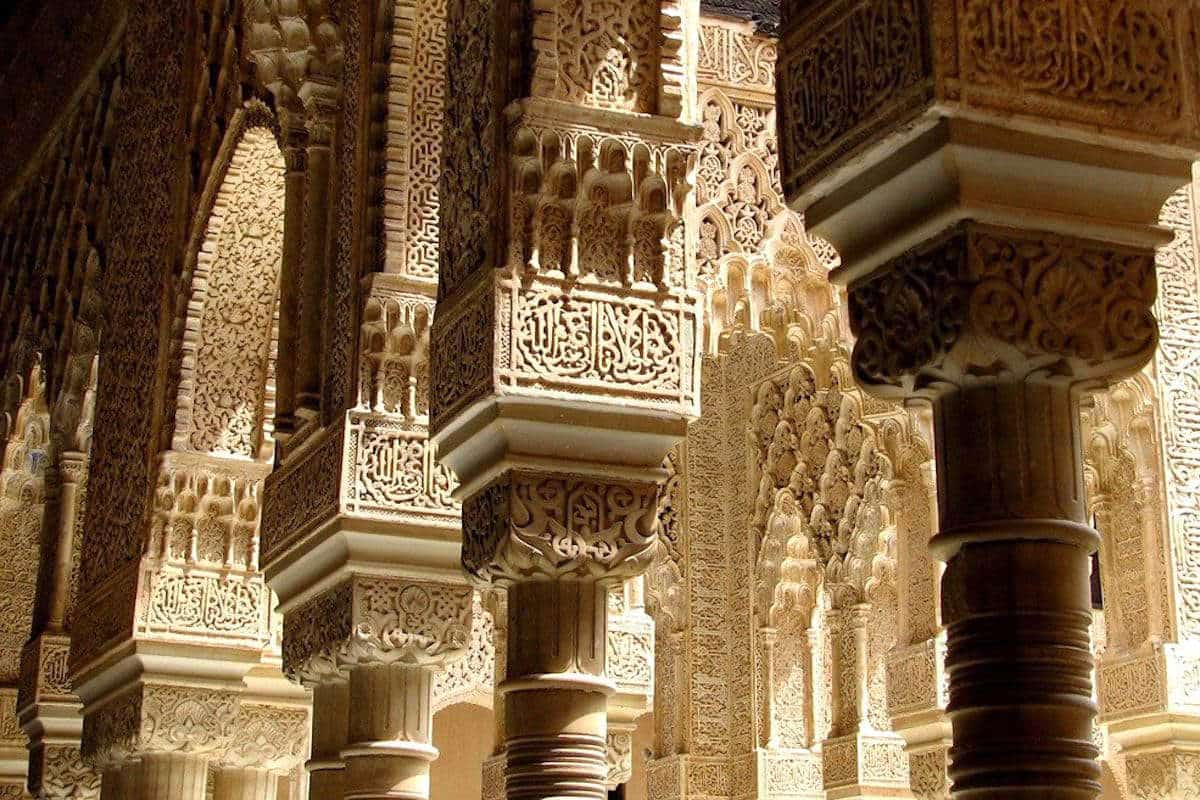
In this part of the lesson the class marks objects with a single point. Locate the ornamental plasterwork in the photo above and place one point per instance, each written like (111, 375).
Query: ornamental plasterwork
(229, 348)
(529, 524)
(21, 501)
(1176, 371)
(595, 246)
(162, 718)
(979, 298)
(201, 576)
(1069, 61)
(472, 677)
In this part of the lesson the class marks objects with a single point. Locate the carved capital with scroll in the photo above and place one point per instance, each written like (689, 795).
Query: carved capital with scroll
(532, 525)
(982, 302)
(368, 619)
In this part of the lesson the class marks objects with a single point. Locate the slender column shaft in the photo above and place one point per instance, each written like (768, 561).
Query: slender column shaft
(770, 637)
(327, 771)
(391, 722)
(60, 579)
(1016, 598)
(555, 695)
(173, 776)
(858, 618)
(316, 237)
(246, 783)
(291, 265)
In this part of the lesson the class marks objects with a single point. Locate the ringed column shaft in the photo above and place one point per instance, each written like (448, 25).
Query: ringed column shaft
(390, 745)
(997, 215)
(554, 691)
(1016, 593)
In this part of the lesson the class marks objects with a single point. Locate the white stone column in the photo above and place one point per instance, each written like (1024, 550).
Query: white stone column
(370, 647)
(391, 732)
(320, 124)
(331, 726)
(563, 222)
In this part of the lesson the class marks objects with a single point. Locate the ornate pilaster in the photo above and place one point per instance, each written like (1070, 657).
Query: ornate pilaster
(916, 676)
(629, 663)
(48, 709)
(985, 280)
(566, 339)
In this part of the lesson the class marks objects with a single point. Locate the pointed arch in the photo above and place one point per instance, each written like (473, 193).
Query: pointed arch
(225, 392)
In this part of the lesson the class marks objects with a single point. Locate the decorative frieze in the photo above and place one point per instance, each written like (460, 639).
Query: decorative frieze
(162, 718)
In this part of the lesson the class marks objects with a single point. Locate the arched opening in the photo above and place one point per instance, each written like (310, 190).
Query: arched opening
(463, 734)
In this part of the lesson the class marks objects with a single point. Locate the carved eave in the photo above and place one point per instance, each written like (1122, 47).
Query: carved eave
(961, 128)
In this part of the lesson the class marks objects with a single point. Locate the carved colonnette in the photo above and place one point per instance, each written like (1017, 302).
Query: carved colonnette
(982, 277)
(565, 340)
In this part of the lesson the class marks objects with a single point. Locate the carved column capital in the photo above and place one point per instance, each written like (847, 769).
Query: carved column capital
(531, 525)
(159, 718)
(267, 736)
(981, 302)
(369, 619)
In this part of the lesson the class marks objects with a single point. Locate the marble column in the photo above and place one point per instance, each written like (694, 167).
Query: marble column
(172, 776)
(331, 726)
(245, 783)
(291, 269)
(391, 732)
(320, 125)
(996, 215)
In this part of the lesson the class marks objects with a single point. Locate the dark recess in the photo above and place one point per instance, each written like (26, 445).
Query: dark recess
(763, 13)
